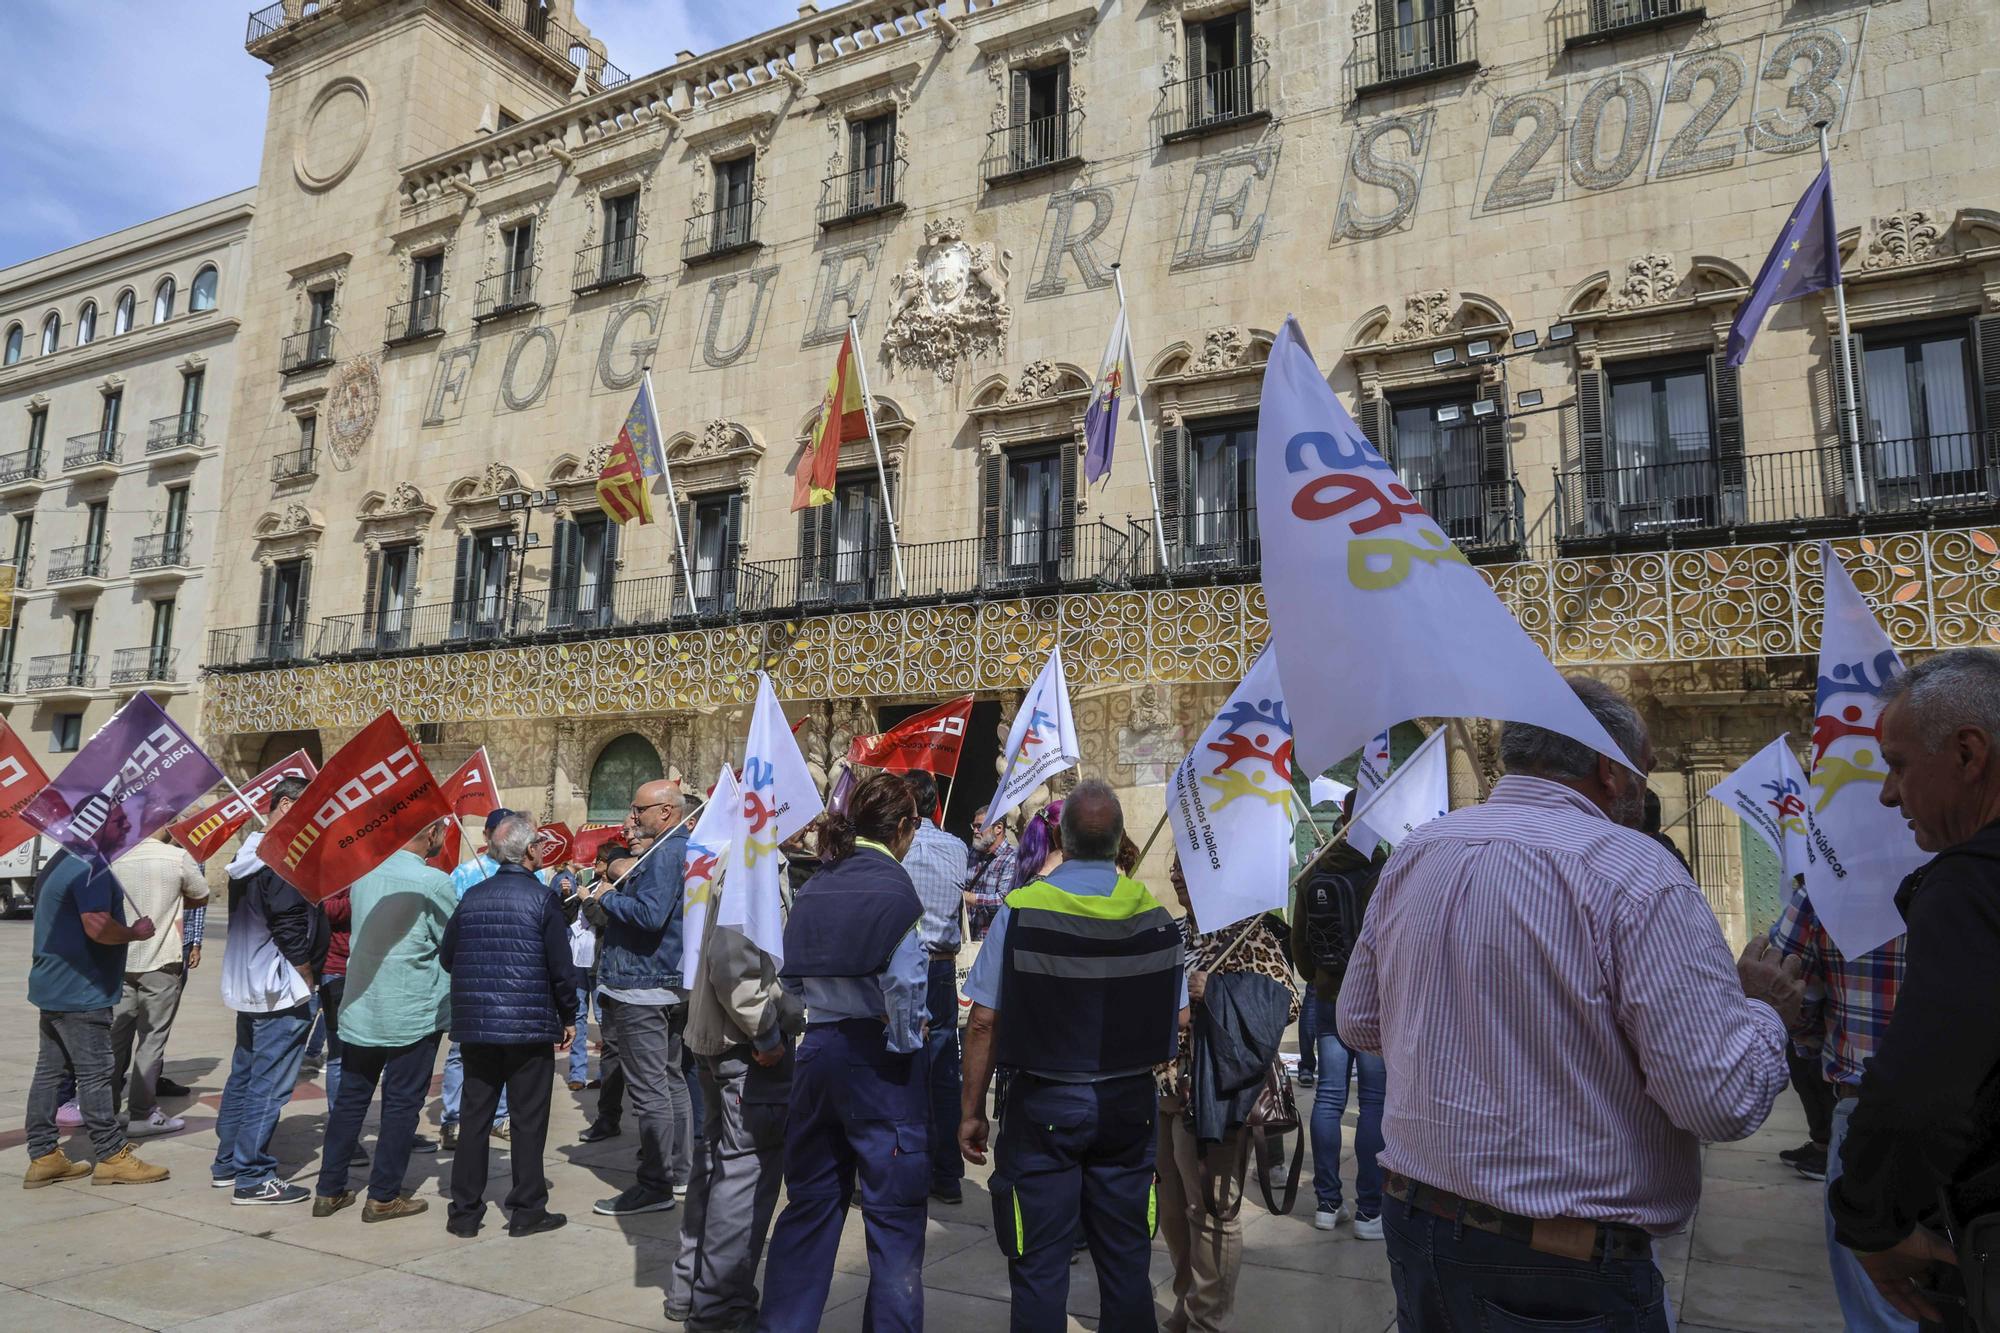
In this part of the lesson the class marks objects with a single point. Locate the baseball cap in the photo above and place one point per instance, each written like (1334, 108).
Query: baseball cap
(493, 820)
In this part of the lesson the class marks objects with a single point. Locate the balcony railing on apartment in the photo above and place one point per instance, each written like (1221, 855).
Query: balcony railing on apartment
(865, 192)
(729, 230)
(530, 17)
(24, 466)
(1431, 47)
(609, 263)
(183, 430)
(296, 465)
(144, 666)
(1585, 22)
(160, 550)
(77, 562)
(1048, 143)
(414, 320)
(504, 293)
(1213, 101)
(277, 644)
(435, 625)
(62, 671)
(308, 349)
(94, 449)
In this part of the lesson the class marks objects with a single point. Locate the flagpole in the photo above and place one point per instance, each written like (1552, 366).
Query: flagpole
(248, 804)
(875, 442)
(673, 502)
(1850, 407)
(1145, 431)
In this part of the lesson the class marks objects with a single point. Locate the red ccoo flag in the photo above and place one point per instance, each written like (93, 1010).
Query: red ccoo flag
(472, 795)
(204, 832)
(20, 779)
(554, 842)
(591, 837)
(370, 799)
(930, 741)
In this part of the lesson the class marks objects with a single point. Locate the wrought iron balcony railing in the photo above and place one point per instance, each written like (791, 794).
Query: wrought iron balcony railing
(1585, 22)
(97, 448)
(278, 644)
(435, 625)
(724, 231)
(609, 263)
(864, 192)
(160, 550)
(1431, 47)
(414, 320)
(24, 466)
(1214, 101)
(504, 293)
(1048, 143)
(145, 666)
(183, 430)
(308, 349)
(62, 671)
(77, 562)
(296, 465)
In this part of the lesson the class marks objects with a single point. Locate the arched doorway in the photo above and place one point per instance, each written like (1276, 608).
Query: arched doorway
(281, 743)
(621, 767)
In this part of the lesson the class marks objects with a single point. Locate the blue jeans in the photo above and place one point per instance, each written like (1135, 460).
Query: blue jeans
(1336, 1064)
(404, 1073)
(1449, 1276)
(579, 1051)
(941, 1058)
(329, 995)
(454, 1088)
(269, 1050)
(1861, 1305)
(1309, 1036)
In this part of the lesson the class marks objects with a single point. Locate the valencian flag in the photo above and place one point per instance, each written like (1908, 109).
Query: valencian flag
(1346, 545)
(779, 798)
(1100, 419)
(929, 740)
(1769, 795)
(370, 799)
(1042, 742)
(20, 779)
(842, 417)
(1861, 849)
(204, 832)
(1231, 805)
(621, 488)
(125, 785)
(715, 832)
(1806, 259)
(471, 794)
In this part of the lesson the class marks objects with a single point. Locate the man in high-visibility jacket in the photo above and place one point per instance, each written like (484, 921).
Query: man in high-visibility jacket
(1078, 990)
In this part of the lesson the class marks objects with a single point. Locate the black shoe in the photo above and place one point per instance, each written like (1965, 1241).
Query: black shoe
(1813, 1165)
(597, 1132)
(166, 1087)
(448, 1136)
(1792, 1156)
(546, 1222)
(633, 1201)
(954, 1194)
(422, 1144)
(463, 1230)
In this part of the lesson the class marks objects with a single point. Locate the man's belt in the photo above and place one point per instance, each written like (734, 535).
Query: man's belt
(1564, 1237)
(942, 954)
(1846, 1092)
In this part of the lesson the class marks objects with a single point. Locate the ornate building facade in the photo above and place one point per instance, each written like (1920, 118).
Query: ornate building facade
(1516, 238)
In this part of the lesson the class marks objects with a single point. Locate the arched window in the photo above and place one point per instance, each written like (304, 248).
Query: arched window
(621, 768)
(201, 296)
(86, 323)
(121, 319)
(51, 333)
(163, 301)
(13, 345)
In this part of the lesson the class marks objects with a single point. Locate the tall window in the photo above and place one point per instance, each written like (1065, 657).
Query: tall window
(714, 538)
(1917, 388)
(1441, 462)
(66, 735)
(38, 434)
(395, 574)
(1414, 36)
(107, 429)
(9, 641)
(86, 324)
(51, 334)
(94, 515)
(201, 296)
(1221, 522)
(1034, 514)
(80, 624)
(121, 319)
(319, 325)
(1039, 131)
(871, 180)
(160, 644)
(620, 257)
(24, 541)
(1662, 447)
(13, 352)
(735, 184)
(480, 595)
(1219, 63)
(190, 416)
(857, 507)
(308, 432)
(518, 247)
(582, 572)
(282, 618)
(426, 292)
(176, 534)
(163, 301)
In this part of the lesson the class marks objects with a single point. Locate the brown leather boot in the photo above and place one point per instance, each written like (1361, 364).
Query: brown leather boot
(48, 1169)
(400, 1206)
(124, 1168)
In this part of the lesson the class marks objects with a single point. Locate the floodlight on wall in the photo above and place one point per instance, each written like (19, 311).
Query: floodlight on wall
(1449, 414)
(1444, 356)
(1484, 409)
(1525, 340)
(1528, 398)
(1478, 348)
(1561, 333)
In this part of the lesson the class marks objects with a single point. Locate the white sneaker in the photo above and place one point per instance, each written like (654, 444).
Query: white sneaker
(1326, 1219)
(1368, 1228)
(159, 1122)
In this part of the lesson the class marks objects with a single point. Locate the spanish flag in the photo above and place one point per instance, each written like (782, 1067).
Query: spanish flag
(621, 487)
(842, 417)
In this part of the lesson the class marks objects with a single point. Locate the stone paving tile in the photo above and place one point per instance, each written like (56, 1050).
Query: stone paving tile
(1755, 1300)
(175, 1288)
(376, 1301)
(23, 1311)
(546, 1269)
(33, 1255)
(637, 1299)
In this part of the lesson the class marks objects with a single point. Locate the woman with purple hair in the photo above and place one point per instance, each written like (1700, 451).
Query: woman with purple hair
(1041, 845)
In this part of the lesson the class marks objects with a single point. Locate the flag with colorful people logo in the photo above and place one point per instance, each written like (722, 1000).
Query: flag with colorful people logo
(1418, 791)
(1042, 742)
(1769, 795)
(1369, 775)
(1375, 615)
(715, 832)
(1861, 849)
(1231, 805)
(779, 797)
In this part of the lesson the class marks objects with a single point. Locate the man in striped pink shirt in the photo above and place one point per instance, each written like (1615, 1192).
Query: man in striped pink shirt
(1562, 1027)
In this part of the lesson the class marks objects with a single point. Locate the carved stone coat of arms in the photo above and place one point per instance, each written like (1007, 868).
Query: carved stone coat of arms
(949, 303)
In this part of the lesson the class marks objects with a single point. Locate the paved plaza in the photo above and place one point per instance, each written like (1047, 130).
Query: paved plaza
(179, 1256)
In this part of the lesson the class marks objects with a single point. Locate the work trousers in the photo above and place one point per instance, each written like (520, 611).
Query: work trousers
(1207, 1250)
(139, 1028)
(528, 1074)
(734, 1189)
(941, 1051)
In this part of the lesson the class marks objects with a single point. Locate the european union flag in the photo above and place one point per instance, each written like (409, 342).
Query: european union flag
(1806, 259)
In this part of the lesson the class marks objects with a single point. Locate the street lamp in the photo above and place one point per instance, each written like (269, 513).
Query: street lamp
(1528, 398)
(523, 502)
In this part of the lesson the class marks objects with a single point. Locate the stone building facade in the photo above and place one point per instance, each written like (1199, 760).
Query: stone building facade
(1515, 235)
(117, 380)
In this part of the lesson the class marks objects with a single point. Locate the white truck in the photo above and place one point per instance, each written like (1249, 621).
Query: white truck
(18, 869)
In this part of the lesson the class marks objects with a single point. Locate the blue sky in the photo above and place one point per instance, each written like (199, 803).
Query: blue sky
(116, 111)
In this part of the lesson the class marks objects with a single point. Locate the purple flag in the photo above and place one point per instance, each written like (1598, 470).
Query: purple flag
(124, 786)
(1100, 418)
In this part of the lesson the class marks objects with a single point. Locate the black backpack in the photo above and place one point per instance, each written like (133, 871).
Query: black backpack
(1335, 904)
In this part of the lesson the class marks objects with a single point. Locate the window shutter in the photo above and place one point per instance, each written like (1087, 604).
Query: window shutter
(371, 595)
(266, 588)
(857, 166)
(1386, 33)
(992, 472)
(1057, 136)
(1173, 489)
(1496, 472)
(732, 538)
(1197, 52)
(461, 587)
(563, 575)
(304, 607)
(1378, 426)
(1725, 389)
(607, 574)
(1066, 505)
(1017, 124)
(884, 584)
(1587, 508)
(1986, 358)
(1243, 42)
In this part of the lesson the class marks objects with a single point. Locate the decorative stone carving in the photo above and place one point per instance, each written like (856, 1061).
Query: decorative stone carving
(1222, 349)
(353, 402)
(1039, 379)
(1425, 315)
(1908, 237)
(949, 303)
(1649, 280)
(294, 518)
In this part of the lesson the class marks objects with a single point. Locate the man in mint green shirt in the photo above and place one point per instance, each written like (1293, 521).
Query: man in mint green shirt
(398, 1003)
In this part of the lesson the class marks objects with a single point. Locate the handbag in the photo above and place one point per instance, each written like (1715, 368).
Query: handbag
(1273, 1114)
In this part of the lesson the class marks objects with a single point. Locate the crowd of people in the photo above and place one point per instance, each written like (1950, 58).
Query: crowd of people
(1531, 996)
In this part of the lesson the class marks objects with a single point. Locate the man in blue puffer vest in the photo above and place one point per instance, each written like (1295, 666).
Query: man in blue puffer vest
(513, 992)
(639, 987)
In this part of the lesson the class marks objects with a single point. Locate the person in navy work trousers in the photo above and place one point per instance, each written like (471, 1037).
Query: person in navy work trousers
(1079, 989)
(860, 1101)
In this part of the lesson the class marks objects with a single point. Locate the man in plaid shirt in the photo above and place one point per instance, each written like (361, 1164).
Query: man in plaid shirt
(1848, 1004)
